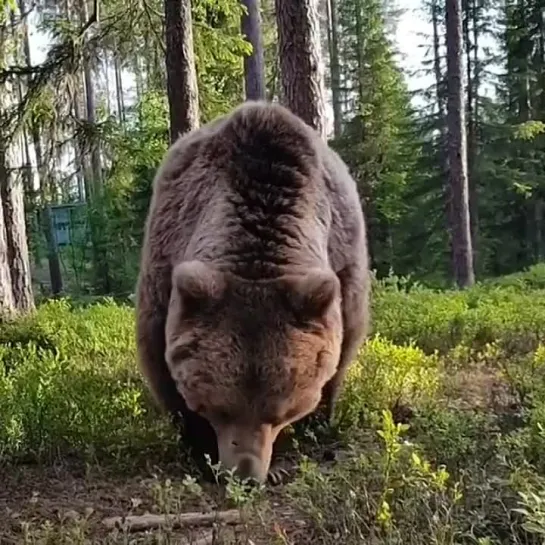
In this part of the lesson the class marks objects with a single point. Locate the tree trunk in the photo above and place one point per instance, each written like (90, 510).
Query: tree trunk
(300, 62)
(541, 56)
(55, 274)
(440, 97)
(100, 262)
(82, 162)
(461, 233)
(90, 105)
(539, 105)
(439, 84)
(538, 226)
(360, 45)
(183, 96)
(119, 90)
(12, 195)
(471, 69)
(138, 77)
(14, 241)
(107, 82)
(523, 64)
(333, 42)
(7, 304)
(254, 66)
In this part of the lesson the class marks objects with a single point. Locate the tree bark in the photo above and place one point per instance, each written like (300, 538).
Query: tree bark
(525, 47)
(90, 105)
(360, 45)
(440, 97)
(439, 85)
(472, 70)
(300, 61)
(334, 67)
(183, 97)
(461, 233)
(7, 304)
(119, 90)
(254, 65)
(138, 77)
(82, 162)
(14, 240)
(55, 274)
(94, 187)
(107, 82)
(12, 196)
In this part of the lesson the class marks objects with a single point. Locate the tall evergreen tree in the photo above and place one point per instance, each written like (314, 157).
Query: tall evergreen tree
(299, 51)
(462, 252)
(377, 137)
(254, 69)
(183, 95)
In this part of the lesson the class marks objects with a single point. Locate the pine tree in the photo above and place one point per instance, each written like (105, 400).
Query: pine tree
(300, 60)
(254, 69)
(183, 96)
(460, 224)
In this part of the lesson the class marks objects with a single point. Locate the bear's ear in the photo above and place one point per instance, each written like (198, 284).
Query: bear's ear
(311, 294)
(197, 284)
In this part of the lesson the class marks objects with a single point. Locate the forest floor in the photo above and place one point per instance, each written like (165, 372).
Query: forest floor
(62, 503)
(67, 501)
(439, 434)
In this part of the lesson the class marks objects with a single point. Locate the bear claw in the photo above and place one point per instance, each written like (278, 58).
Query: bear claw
(276, 475)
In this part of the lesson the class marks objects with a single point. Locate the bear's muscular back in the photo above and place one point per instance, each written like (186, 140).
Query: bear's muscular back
(251, 192)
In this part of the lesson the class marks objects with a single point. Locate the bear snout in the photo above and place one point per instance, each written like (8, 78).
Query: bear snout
(246, 450)
(250, 467)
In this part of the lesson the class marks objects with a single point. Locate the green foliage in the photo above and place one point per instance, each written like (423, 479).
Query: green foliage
(532, 278)
(387, 493)
(529, 130)
(387, 376)
(377, 140)
(5, 7)
(69, 384)
(467, 468)
(139, 148)
(219, 49)
(474, 318)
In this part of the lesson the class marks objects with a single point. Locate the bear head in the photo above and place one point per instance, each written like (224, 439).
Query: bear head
(252, 357)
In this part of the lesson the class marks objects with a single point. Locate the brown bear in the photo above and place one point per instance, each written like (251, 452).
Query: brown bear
(253, 291)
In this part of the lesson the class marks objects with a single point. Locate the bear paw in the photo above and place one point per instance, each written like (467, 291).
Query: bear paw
(277, 475)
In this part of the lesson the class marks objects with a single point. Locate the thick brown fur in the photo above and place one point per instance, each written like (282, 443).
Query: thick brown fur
(253, 292)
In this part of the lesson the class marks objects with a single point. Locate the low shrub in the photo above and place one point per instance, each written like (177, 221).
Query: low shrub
(441, 321)
(387, 376)
(81, 392)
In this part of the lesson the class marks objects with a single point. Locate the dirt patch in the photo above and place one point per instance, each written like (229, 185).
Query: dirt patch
(478, 387)
(67, 504)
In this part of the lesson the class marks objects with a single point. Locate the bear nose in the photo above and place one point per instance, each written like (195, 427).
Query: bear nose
(248, 467)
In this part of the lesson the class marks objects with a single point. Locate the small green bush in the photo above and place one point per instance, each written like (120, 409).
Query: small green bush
(81, 393)
(441, 321)
(385, 376)
(385, 493)
(530, 279)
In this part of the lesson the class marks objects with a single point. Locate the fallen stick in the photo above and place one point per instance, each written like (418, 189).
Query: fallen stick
(148, 522)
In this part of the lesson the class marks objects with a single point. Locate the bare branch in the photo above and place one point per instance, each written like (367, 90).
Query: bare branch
(147, 522)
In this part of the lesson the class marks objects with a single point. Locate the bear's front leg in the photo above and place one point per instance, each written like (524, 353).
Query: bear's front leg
(198, 436)
(355, 290)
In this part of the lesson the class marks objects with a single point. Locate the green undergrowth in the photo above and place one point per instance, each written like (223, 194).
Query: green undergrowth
(441, 422)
